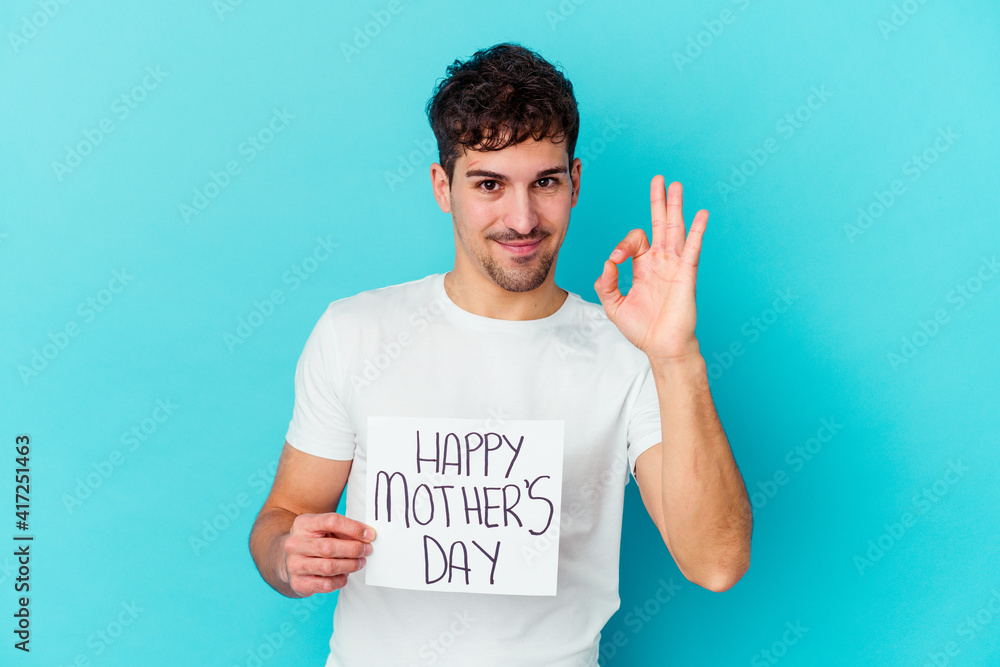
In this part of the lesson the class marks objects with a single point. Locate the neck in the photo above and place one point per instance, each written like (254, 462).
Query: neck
(485, 298)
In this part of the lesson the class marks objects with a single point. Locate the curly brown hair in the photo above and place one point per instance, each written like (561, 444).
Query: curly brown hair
(499, 97)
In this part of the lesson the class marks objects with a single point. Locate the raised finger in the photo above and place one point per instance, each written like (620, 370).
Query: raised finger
(674, 237)
(658, 210)
(692, 247)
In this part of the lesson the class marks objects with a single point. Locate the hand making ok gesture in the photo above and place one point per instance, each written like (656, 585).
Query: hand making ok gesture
(658, 313)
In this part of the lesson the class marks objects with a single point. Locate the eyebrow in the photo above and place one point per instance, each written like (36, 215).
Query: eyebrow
(472, 173)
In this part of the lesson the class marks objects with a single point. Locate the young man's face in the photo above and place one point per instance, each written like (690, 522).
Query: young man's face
(510, 210)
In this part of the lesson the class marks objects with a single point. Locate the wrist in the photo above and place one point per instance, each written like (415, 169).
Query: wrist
(685, 368)
(690, 355)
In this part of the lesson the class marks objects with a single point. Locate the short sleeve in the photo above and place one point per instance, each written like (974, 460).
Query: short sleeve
(320, 425)
(644, 419)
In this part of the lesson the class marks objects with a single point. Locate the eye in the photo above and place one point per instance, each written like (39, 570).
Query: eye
(489, 189)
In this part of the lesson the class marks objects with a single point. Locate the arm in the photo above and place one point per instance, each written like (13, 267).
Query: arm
(689, 482)
(299, 543)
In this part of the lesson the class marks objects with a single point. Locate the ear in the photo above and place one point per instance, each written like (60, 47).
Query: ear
(575, 176)
(441, 187)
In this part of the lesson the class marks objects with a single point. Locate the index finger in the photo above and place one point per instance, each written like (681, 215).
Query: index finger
(332, 522)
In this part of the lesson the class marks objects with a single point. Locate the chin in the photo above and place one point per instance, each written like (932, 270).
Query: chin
(526, 280)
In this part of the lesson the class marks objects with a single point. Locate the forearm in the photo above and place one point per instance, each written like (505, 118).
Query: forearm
(267, 540)
(706, 512)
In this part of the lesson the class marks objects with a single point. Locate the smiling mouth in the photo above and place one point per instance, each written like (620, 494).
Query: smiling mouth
(521, 247)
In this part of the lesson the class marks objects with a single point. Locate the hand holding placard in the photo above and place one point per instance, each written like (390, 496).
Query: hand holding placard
(321, 550)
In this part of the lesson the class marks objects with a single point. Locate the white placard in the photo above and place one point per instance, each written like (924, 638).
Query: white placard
(458, 504)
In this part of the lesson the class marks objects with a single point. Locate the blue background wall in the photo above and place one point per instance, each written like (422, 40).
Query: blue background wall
(875, 538)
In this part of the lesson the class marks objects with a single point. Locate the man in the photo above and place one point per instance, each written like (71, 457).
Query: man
(497, 339)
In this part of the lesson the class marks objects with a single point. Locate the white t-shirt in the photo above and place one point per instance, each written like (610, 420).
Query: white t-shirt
(409, 350)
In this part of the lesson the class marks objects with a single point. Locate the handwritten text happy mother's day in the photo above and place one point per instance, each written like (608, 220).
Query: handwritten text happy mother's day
(454, 504)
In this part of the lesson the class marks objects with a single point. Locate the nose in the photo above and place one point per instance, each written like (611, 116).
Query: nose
(520, 215)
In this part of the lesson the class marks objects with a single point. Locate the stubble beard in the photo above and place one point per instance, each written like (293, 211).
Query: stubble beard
(529, 277)
(525, 279)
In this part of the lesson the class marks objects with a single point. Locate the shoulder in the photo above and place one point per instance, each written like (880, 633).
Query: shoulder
(380, 303)
(353, 324)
